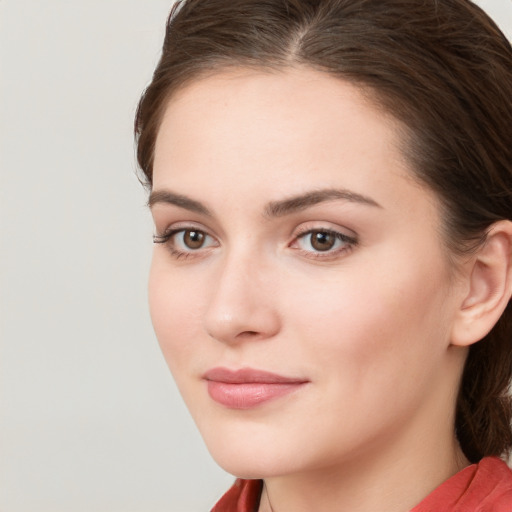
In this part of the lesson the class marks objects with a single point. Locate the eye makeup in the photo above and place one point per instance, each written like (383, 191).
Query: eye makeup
(319, 242)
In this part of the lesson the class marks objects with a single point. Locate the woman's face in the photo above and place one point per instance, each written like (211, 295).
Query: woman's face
(301, 292)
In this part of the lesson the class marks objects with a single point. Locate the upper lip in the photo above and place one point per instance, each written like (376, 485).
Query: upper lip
(249, 375)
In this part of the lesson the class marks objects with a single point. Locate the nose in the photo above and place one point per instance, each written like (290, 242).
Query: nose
(243, 304)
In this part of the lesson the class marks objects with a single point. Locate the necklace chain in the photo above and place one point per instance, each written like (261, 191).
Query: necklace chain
(268, 497)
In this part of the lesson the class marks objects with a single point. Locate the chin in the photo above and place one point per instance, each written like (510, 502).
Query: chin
(248, 452)
(247, 465)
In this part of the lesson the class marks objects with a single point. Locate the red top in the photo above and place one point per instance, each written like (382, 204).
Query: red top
(482, 487)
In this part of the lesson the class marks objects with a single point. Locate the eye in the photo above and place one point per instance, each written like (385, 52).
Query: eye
(191, 238)
(184, 241)
(318, 241)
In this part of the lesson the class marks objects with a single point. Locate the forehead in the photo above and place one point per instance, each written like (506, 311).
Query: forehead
(291, 94)
(278, 133)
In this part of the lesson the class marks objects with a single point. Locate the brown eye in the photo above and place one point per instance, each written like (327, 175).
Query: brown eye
(324, 243)
(186, 242)
(193, 239)
(322, 240)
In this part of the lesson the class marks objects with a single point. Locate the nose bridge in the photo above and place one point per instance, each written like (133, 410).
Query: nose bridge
(241, 304)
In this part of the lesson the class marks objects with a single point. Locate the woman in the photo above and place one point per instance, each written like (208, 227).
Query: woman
(331, 186)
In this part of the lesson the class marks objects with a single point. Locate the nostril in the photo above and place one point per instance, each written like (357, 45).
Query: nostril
(248, 334)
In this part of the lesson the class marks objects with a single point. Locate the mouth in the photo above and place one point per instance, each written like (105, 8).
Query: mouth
(247, 388)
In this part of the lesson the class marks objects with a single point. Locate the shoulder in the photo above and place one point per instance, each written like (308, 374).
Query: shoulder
(482, 487)
(493, 485)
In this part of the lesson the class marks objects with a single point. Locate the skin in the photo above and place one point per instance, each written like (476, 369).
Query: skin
(368, 324)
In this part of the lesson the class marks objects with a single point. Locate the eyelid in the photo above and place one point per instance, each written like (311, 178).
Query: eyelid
(350, 240)
(308, 227)
(166, 239)
(174, 227)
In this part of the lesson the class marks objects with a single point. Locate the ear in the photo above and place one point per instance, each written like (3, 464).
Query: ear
(489, 278)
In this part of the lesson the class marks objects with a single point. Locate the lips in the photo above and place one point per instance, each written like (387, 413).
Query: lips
(247, 388)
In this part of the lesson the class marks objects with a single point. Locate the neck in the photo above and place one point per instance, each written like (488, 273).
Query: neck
(387, 484)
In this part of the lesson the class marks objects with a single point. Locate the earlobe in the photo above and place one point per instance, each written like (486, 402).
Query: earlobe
(490, 287)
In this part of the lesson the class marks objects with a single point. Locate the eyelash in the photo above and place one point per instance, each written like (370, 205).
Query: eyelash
(349, 243)
(166, 239)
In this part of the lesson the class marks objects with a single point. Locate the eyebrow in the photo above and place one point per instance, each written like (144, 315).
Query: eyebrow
(304, 201)
(273, 208)
(168, 197)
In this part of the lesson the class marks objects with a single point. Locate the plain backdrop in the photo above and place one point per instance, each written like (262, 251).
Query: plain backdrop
(90, 418)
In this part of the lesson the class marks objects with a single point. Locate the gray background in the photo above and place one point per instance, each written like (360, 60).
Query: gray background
(90, 418)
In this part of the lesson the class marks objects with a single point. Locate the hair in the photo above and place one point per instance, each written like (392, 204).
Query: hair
(440, 67)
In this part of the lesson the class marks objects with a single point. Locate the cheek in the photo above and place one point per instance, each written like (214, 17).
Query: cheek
(366, 338)
(374, 321)
(174, 313)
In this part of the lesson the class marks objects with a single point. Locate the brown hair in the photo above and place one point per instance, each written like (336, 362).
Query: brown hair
(442, 67)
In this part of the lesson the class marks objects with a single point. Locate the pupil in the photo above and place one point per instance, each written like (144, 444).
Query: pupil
(194, 239)
(322, 241)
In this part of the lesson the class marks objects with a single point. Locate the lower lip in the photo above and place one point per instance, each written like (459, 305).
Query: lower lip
(248, 394)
